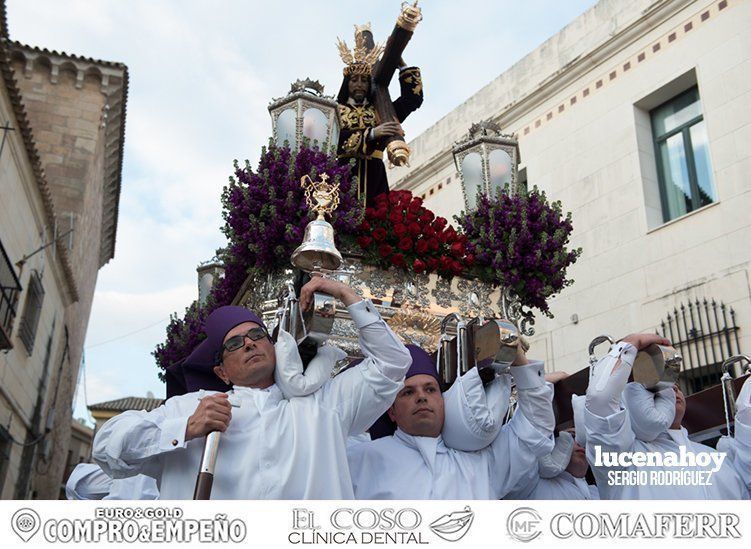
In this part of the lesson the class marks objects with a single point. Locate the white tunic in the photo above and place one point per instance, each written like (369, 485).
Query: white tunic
(273, 448)
(614, 434)
(739, 448)
(409, 467)
(563, 486)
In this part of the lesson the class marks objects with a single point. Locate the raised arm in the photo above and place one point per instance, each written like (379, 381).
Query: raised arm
(529, 434)
(361, 394)
(739, 448)
(410, 82)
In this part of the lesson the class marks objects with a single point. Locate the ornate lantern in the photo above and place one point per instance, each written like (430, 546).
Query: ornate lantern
(209, 272)
(487, 161)
(305, 112)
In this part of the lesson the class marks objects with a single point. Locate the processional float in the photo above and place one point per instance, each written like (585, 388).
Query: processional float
(465, 322)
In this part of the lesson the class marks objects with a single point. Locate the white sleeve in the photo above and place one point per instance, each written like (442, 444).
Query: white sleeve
(289, 375)
(529, 434)
(361, 394)
(607, 434)
(739, 448)
(535, 396)
(514, 454)
(87, 481)
(139, 487)
(474, 413)
(608, 380)
(134, 442)
(577, 405)
(650, 413)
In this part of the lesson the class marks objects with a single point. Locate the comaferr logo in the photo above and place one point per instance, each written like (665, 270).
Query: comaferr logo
(453, 526)
(641, 525)
(523, 524)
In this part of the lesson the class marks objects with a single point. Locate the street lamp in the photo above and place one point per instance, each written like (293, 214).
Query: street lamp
(305, 113)
(487, 162)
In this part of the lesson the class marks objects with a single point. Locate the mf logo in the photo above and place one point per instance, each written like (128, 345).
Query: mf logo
(523, 524)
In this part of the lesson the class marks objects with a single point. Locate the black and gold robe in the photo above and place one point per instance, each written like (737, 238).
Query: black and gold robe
(356, 123)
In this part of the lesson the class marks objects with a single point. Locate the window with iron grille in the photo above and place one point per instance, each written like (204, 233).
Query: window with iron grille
(705, 334)
(32, 310)
(10, 287)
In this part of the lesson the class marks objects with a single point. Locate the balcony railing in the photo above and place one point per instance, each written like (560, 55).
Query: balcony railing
(10, 287)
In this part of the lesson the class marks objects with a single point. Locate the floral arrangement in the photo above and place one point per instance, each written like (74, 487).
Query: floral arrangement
(265, 211)
(265, 214)
(520, 241)
(399, 231)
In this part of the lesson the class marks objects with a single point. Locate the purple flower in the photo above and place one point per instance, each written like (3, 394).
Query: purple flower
(520, 241)
(265, 214)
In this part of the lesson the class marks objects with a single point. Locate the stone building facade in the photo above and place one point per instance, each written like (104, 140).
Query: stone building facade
(60, 170)
(637, 116)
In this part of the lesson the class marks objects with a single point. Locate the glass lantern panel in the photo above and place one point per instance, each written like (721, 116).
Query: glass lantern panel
(315, 126)
(335, 133)
(472, 175)
(286, 128)
(500, 170)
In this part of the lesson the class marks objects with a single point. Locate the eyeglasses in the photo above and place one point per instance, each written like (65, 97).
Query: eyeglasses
(236, 342)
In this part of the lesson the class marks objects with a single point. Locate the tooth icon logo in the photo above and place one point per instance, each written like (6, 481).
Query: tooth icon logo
(25, 523)
(454, 526)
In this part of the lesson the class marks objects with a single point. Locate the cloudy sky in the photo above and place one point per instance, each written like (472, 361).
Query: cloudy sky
(201, 77)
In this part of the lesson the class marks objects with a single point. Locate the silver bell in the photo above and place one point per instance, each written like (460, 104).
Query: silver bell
(317, 251)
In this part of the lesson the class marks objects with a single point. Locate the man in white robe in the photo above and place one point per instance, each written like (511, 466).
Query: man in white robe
(738, 447)
(415, 463)
(650, 422)
(271, 447)
(560, 475)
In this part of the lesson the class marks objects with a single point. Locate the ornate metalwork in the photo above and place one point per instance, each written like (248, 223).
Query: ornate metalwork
(513, 311)
(475, 298)
(417, 327)
(412, 304)
(411, 289)
(442, 293)
(361, 59)
(483, 139)
(305, 95)
(486, 127)
(351, 273)
(409, 17)
(344, 328)
(307, 85)
(321, 196)
(380, 282)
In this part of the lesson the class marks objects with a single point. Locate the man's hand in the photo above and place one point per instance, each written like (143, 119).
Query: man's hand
(329, 286)
(521, 356)
(555, 377)
(642, 341)
(388, 129)
(213, 414)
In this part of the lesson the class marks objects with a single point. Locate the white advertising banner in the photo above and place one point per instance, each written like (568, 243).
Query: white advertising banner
(270, 524)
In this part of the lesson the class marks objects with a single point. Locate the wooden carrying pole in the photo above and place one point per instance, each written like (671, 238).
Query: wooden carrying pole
(205, 479)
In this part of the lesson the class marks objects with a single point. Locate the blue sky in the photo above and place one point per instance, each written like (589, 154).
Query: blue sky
(201, 77)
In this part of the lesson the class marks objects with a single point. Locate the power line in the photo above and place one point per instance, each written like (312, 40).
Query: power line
(128, 334)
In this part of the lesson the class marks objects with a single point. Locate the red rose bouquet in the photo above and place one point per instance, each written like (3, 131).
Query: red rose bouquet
(399, 231)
